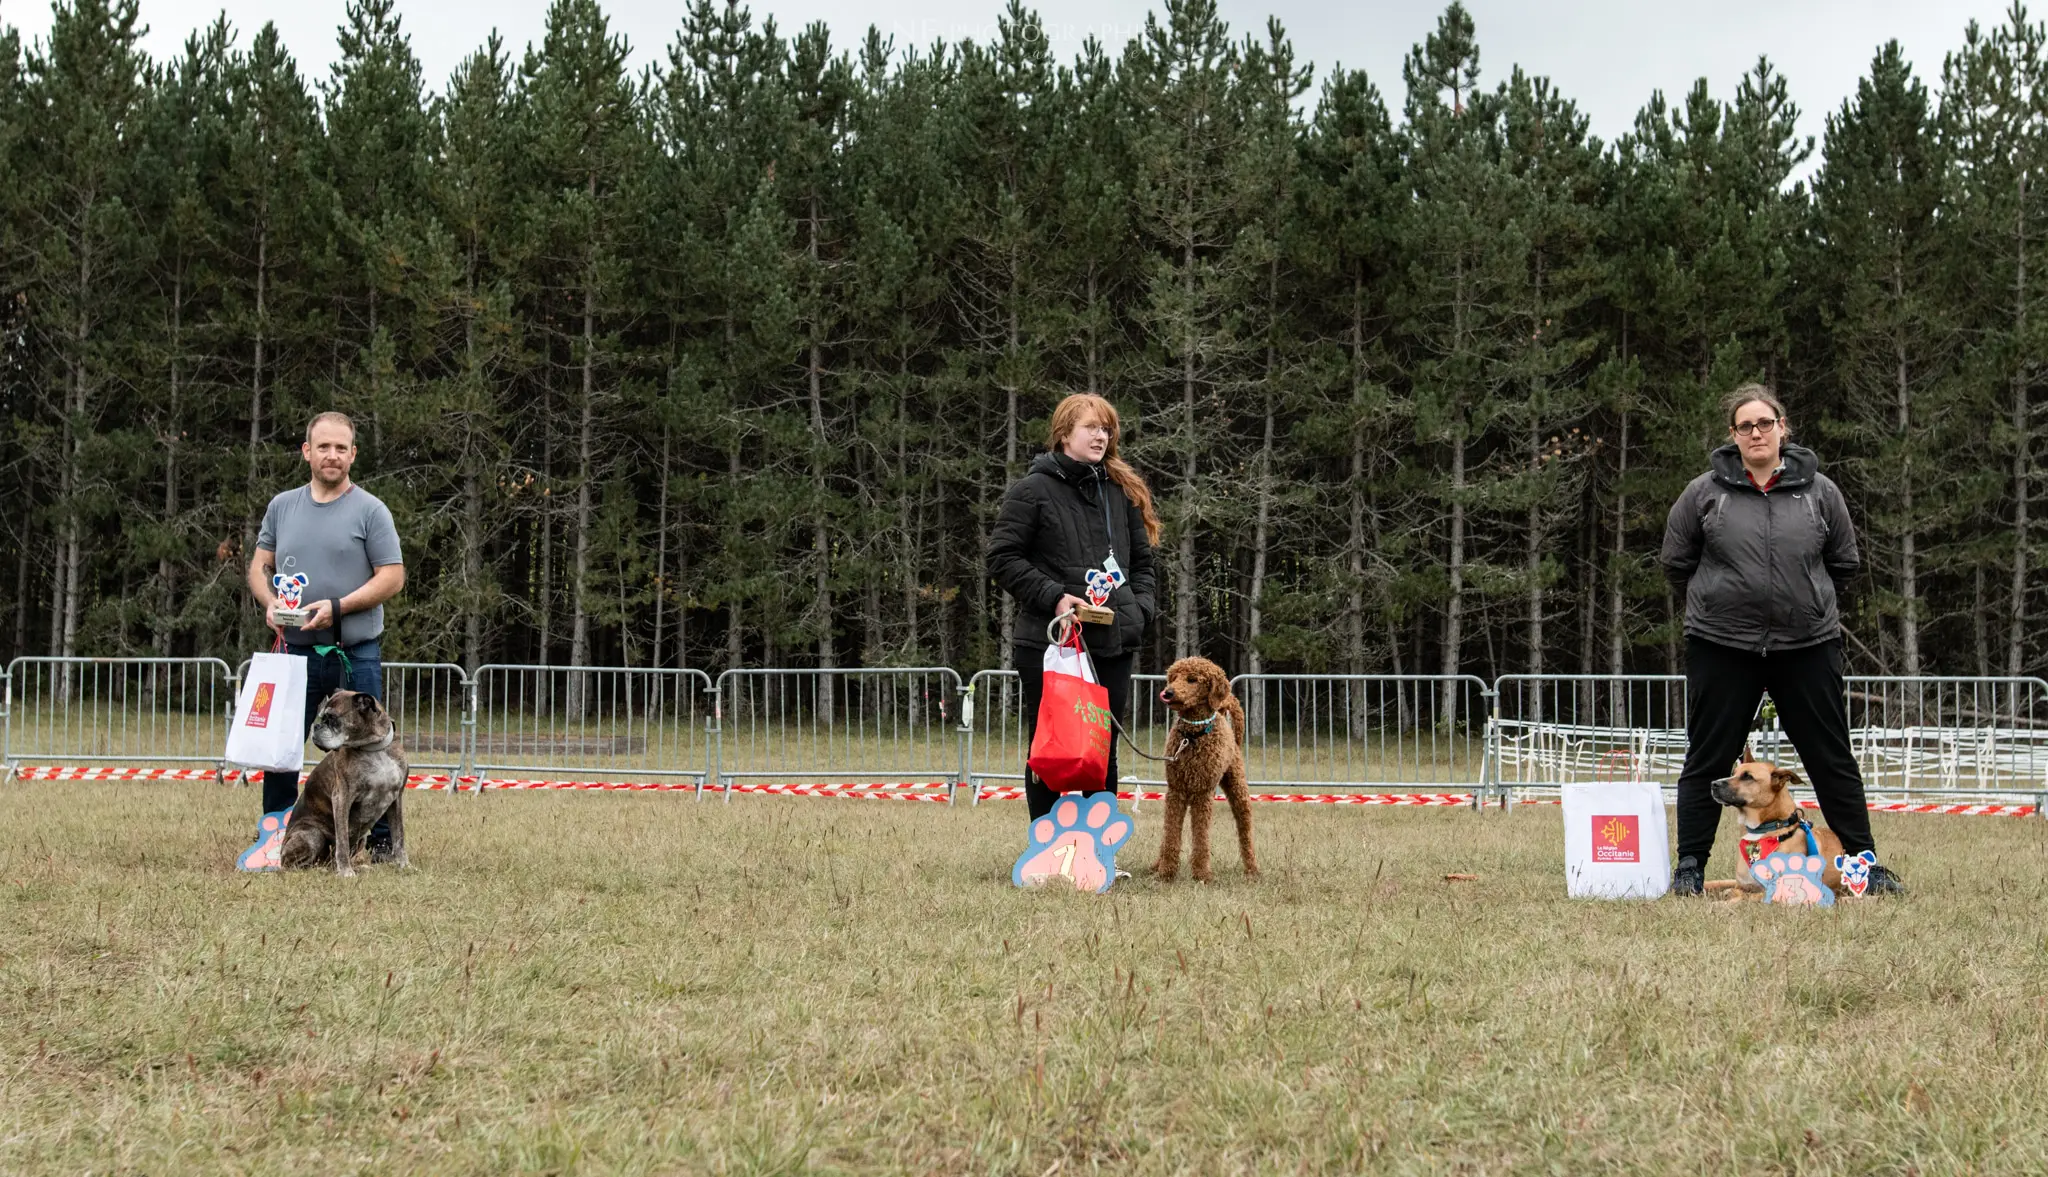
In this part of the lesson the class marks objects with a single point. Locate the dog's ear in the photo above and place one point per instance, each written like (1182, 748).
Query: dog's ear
(324, 701)
(1219, 687)
(1785, 778)
(367, 704)
(1748, 752)
(1736, 767)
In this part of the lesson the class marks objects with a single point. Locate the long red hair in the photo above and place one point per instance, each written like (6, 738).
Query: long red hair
(1067, 417)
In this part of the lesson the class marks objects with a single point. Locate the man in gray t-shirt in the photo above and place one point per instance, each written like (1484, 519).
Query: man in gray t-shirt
(341, 539)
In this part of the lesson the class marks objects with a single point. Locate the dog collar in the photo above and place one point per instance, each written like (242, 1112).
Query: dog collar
(1194, 729)
(390, 738)
(1759, 841)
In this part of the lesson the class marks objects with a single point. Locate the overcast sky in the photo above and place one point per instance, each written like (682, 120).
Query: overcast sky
(1608, 55)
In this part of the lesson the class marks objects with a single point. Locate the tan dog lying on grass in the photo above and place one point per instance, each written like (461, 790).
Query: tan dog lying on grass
(1204, 750)
(1771, 820)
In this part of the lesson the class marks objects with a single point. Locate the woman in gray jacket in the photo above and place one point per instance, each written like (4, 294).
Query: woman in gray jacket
(1758, 547)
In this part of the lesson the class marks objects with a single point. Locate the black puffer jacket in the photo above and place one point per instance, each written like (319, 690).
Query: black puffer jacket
(1048, 537)
(1761, 572)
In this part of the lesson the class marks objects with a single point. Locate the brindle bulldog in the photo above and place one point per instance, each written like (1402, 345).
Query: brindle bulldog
(361, 779)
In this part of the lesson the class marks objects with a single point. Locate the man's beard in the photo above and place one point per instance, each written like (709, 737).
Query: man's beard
(327, 479)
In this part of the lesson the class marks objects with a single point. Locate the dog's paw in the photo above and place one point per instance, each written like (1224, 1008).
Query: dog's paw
(263, 856)
(1793, 879)
(1076, 843)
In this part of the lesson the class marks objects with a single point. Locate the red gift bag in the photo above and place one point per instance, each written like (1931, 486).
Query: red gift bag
(1070, 750)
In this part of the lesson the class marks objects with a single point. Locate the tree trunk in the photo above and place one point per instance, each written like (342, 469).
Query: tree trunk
(1011, 473)
(253, 521)
(1184, 572)
(1909, 582)
(660, 551)
(2015, 651)
(579, 611)
(821, 540)
(1617, 636)
(1255, 663)
(74, 457)
(159, 684)
(1354, 603)
(904, 511)
(735, 633)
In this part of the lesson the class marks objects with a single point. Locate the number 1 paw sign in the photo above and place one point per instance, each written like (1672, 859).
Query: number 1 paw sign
(1075, 844)
(1793, 879)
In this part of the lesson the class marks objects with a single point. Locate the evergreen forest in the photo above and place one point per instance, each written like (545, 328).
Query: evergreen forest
(727, 361)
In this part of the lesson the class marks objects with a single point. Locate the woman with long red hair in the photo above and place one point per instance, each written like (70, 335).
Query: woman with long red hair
(1080, 509)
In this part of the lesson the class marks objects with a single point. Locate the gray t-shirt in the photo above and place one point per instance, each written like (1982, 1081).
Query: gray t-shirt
(337, 546)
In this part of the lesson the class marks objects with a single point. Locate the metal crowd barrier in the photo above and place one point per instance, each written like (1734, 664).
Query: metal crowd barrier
(1549, 731)
(133, 711)
(1916, 739)
(1320, 732)
(431, 704)
(889, 725)
(1385, 733)
(602, 723)
(1524, 736)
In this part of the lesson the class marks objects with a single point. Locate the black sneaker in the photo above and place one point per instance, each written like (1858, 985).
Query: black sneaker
(1884, 882)
(1689, 878)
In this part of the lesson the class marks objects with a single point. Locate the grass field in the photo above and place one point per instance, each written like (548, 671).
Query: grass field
(645, 984)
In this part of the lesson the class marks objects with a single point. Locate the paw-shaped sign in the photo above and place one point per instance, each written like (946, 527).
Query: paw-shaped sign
(1855, 870)
(1075, 844)
(1793, 879)
(269, 839)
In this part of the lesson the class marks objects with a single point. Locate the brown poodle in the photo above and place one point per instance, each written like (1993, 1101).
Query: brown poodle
(1204, 749)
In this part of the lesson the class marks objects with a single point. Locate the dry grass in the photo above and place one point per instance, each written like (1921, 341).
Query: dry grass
(646, 984)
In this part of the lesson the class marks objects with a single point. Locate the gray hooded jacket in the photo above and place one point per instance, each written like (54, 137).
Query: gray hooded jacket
(1761, 572)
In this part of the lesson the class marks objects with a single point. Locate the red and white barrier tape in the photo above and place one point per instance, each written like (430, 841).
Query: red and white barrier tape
(903, 790)
(66, 772)
(1014, 793)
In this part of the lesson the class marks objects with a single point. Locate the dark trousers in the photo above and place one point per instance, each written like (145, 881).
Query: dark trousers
(1115, 674)
(324, 676)
(1723, 688)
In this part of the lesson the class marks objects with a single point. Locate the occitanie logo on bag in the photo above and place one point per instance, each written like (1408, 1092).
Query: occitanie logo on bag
(1617, 838)
(259, 707)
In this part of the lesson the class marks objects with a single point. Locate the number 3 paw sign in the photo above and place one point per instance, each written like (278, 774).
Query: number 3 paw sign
(1075, 844)
(1793, 879)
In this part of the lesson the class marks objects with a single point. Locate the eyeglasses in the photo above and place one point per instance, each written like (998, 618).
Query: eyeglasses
(1765, 425)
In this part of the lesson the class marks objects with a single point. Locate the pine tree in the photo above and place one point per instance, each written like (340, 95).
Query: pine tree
(1555, 195)
(585, 142)
(17, 525)
(1994, 91)
(375, 153)
(1352, 190)
(88, 94)
(1004, 275)
(1270, 82)
(180, 411)
(1192, 203)
(1878, 199)
(472, 185)
(1463, 252)
(273, 212)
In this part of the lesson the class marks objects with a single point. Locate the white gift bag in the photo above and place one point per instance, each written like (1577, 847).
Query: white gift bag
(1074, 660)
(1615, 846)
(270, 715)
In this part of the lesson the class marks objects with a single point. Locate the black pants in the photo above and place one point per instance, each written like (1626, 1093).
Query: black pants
(1115, 674)
(1724, 687)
